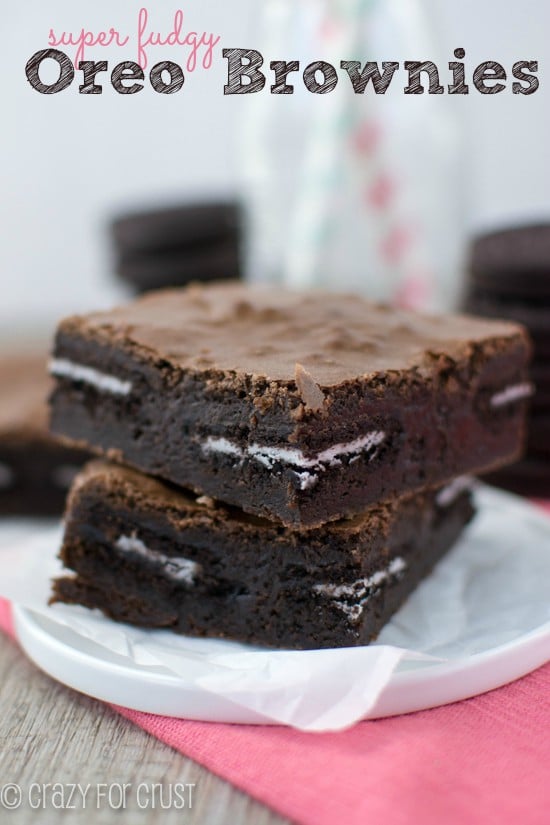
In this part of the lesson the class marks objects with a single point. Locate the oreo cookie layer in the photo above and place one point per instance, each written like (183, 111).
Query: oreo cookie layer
(514, 262)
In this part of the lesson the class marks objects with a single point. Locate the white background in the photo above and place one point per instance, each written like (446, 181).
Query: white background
(68, 161)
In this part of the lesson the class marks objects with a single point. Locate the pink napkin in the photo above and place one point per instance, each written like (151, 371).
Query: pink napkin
(484, 760)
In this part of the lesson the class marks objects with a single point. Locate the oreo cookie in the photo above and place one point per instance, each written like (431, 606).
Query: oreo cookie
(175, 245)
(540, 375)
(176, 267)
(176, 226)
(510, 278)
(529, 477)
(513, 262)
(534, 316)
(539, 435)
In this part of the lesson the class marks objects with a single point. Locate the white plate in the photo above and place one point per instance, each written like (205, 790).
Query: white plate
(81, 664)
(484, 612)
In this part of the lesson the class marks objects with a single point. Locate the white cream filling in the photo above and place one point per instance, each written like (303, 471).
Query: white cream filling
(222, 445)
(360, 590)
(174, 567)
(268, 456)
(63, 368)
(451, 492)
(515, 392)
(6, 476)
(306, 480)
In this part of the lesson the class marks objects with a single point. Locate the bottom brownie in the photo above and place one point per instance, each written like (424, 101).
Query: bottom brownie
(151, 555)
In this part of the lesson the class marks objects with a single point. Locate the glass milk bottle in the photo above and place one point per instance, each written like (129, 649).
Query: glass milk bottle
(353, 191)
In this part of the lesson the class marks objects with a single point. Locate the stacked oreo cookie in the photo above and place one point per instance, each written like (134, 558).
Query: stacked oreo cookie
(510, 278)
(288, 466)
(175, 245)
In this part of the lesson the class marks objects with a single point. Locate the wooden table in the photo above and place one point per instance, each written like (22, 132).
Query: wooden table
(50, 734)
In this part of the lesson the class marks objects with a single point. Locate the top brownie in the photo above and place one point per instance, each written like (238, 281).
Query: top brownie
(300, 407)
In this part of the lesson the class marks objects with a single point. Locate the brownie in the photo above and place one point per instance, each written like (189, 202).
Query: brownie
(514, 261)
(151, 555)
(300, 407)
(174, 245)
(35, 469)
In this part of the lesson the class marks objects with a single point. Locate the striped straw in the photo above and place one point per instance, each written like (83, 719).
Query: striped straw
(347, 129)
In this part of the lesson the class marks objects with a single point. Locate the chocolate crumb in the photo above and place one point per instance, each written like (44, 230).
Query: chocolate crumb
(115, 454)
(311, 393)
(206, 501)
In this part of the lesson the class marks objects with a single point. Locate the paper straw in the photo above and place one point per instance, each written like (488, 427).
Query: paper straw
(263, 222)
(293, 233)
(351, 124)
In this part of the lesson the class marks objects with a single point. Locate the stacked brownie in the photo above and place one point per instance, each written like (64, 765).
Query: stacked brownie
(283, 468)
(510, 278)
(173, 245)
